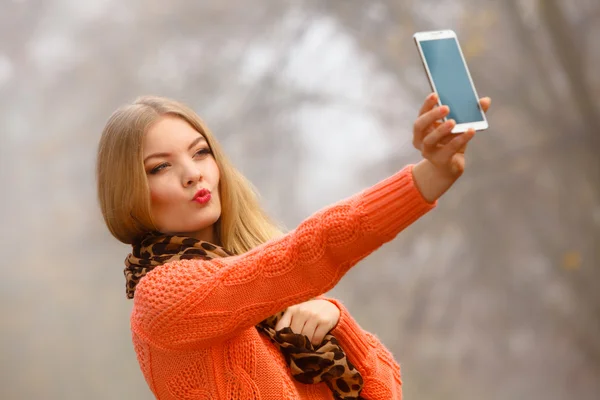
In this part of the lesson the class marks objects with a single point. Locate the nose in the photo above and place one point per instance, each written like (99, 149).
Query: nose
(192, 174)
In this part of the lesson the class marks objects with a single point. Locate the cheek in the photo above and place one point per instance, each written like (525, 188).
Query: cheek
(155, 197)
(160, 196)
(215, 172)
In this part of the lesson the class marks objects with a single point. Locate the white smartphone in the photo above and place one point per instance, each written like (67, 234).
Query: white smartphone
(449, 77)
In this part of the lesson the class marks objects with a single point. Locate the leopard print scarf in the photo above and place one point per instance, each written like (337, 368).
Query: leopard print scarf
(326, 362)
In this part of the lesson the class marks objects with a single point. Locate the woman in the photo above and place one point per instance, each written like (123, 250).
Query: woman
(225, 305)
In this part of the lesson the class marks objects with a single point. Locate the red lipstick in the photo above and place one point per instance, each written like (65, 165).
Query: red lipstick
(202, 196)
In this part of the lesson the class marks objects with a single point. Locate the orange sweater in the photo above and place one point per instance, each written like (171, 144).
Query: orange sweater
(193, 320)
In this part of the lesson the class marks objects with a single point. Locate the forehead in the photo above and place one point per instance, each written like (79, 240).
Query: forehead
(169, 133)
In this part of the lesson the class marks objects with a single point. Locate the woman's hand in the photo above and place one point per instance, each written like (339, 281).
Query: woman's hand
(443, 151)
(313, 318)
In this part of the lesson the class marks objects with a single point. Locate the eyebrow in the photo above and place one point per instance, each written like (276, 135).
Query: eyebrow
(194, 143)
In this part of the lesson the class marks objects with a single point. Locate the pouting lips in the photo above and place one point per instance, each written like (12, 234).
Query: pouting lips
(202, 196)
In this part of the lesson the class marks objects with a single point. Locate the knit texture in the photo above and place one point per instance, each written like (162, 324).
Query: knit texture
(193, 321)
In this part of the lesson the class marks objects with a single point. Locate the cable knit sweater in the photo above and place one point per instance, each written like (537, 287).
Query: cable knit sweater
(193, 320)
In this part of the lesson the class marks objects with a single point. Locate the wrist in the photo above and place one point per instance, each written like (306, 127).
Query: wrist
(432, 181)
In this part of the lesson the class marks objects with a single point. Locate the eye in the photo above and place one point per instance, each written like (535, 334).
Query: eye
(158, 168)
(202, 152)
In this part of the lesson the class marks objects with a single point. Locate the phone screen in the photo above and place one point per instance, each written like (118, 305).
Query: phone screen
(451, 80)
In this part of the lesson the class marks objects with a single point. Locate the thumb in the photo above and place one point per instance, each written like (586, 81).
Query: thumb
(285, 321)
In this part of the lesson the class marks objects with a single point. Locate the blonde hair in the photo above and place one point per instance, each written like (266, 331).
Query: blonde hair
(123, 190)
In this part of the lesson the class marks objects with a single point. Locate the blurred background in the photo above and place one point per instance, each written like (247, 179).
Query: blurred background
(495, 295)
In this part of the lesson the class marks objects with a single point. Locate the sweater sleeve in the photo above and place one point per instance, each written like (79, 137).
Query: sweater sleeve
(191, 303)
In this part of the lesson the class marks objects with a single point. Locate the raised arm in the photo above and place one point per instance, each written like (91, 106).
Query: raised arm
(193, 303)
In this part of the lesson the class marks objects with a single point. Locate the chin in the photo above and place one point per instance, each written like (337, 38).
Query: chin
(204, 225)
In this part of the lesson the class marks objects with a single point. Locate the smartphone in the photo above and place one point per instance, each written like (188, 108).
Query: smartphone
(449, 77)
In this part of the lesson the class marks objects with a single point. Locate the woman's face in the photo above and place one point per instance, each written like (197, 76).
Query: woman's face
(183, 177)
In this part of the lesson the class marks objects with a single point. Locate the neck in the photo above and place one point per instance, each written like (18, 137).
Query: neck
(207, 235)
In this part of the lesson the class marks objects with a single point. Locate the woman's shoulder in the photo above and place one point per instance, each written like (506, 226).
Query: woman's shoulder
(173, 277)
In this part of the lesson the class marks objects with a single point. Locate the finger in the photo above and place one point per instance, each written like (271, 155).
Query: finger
(319, 335)
(431, 141)
(298, 321)
(309, 329)
(430, 102)
(285, 320)
(429, 118)
(456, 144)
(485, 103)
(418, 136)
